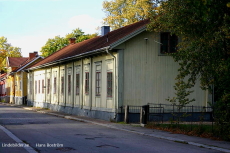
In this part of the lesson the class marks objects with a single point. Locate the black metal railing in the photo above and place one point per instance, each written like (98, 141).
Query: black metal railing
(167, 112)
(173, 108)
(132, 109)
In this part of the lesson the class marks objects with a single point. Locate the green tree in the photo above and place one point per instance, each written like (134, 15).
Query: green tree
(204, 51)
(80, 35)
(54, 44)
(120, 13)
(7, 50)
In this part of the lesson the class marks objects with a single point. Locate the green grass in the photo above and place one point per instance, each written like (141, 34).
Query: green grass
(202, 130)
(199, 128)
(121, 122)
(3, 101)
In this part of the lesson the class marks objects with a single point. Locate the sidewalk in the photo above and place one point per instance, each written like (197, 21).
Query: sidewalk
(223, 146)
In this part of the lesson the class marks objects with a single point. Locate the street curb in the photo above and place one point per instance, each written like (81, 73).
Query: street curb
(127, 130)
(17, 140)
(140, 133)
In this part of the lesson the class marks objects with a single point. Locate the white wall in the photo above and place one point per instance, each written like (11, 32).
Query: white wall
(103, 63)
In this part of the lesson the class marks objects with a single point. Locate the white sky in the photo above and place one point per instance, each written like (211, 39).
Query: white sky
(28, 24)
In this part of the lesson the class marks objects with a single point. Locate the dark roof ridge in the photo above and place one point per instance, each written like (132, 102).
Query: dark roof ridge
(131, 24)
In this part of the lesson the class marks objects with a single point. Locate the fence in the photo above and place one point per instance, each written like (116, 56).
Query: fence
(166, 112)
(131, 113)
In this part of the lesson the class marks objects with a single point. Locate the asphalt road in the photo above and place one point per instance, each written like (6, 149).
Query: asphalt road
(46, 133)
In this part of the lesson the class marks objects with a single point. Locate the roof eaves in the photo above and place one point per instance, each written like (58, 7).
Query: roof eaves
(11, 73)
(28, 63)
(129, 36)
(70, 58)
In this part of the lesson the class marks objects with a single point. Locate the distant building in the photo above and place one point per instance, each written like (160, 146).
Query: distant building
(2, 87)
(16, 82)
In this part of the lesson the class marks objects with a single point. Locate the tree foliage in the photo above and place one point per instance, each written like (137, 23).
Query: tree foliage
(204, 51)
(54, 44)
(120, 13)
(7, 50)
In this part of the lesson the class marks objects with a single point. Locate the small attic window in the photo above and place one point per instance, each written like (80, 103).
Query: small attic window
(168, 43)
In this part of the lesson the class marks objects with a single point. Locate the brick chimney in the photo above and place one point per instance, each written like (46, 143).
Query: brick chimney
(72, 40)
(33, 55)
(105, 30)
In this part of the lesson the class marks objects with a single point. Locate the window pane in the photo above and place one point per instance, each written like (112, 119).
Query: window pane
(164, 42)
(42, 86)
(69, 84)
(98, 83)
(48, 86)
(109, 84)
(77, 84)
(38, 86)
(62, 84)
(168, 43)
(55, 83)
(173, 43)
(20, 85)
(86, 82)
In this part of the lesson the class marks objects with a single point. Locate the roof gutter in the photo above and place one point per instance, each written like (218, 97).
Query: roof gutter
(71, 58)
(12, 73)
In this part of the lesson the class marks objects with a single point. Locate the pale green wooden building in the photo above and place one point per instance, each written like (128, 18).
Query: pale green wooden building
(94, 78)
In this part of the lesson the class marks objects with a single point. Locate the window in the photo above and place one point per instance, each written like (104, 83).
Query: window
(77, 84)
(35, 87)
(42, 86)
(168, 43)
(62, 80)
(48, 86)
(20, 85)
(69, 84)
(98, 83)
(86, 82)
(69, 80)
(55, 85)
(109, 84)
(62, 85)
(39, 86)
